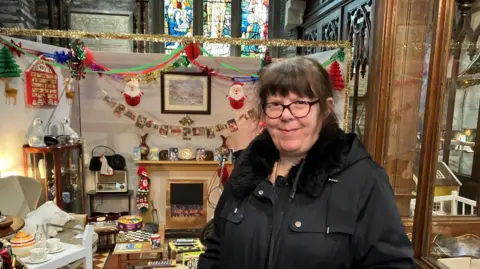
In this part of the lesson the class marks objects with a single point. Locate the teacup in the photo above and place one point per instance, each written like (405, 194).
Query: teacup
(53, 244)
(38, 254)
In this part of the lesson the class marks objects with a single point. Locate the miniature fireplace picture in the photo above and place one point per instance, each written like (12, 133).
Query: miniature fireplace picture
(186, 204)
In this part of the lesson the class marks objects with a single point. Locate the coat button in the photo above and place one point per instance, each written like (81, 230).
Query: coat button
(298, 224)
(260, 192)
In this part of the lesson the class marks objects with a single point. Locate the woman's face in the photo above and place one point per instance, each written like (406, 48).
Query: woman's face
(294, 136)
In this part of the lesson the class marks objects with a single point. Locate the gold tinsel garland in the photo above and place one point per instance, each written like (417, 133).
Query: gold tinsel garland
(167, 38)
(200, 39)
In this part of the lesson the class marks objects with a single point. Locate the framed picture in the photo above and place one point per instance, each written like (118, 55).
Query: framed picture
(186, 93)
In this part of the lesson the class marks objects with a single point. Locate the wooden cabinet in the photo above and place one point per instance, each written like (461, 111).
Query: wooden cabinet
(60, 169)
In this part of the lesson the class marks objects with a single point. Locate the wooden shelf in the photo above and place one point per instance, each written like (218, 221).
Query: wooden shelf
(183, 165)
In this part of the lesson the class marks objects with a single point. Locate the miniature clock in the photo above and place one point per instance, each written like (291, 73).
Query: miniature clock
(185, 154)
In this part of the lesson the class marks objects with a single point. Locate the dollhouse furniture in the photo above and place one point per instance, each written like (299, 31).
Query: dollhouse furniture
(145, 251)
(72, 256)
(60, 170)
(16, 226)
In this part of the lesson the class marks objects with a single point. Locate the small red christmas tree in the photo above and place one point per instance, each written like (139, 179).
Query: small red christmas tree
(336, 76)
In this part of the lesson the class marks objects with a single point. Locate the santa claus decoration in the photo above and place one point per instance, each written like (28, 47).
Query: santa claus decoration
(237, 95)
(132, 93)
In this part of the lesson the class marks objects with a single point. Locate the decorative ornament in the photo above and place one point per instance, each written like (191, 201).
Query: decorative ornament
(143, 189)
(192, 51)
(61, 57)
(224, 152)
(41, 91)
(15, 49)
(36, 138)
(105, 169)
(132, 92)
(8, 67)
(266, 59)
(88, 57)
(237, 95)
(69, 90)
(144, 148)
(76, 63)
(340, 54)
(10, 95)
(5, 256)
(186, 121)
(336, 76)
(67, 130)
(261, 127)
(182, 62)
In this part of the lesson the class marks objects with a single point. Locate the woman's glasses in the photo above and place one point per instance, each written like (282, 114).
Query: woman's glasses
(298, 109)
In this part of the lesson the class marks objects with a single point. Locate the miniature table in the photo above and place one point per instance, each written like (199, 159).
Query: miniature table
(137, 256)
(16, 226)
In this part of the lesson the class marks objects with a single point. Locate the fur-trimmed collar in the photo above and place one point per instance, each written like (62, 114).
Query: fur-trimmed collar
(327, 157)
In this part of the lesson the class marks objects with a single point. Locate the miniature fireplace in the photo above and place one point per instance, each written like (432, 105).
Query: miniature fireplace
(186, 204)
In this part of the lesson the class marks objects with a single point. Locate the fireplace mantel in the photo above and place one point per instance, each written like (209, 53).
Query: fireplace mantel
(153, 166)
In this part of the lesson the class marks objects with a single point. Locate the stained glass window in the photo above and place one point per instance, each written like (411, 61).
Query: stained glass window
(254, 25)
(217, 16)
(178, 20)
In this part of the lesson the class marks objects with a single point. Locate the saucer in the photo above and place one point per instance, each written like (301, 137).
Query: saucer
(56, 251)
(47, 258)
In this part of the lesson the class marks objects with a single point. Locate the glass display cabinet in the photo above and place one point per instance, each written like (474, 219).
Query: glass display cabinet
(60, 170)
(422, 127)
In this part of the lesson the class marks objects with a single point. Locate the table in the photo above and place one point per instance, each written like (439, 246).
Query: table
(70, 254)
(17, 225)
(91, 195)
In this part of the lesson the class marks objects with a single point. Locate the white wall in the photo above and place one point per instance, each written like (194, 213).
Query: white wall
(16, 120)
(101, 127)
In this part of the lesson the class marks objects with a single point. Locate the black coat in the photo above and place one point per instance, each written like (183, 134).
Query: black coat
(336, 209)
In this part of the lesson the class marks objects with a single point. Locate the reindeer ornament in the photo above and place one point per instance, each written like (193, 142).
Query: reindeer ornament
(10, 95)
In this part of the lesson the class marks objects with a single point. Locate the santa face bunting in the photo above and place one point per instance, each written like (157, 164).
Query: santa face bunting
(132, 93)
(237, 95)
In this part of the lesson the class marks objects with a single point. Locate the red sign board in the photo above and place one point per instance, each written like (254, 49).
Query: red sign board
(42, 84)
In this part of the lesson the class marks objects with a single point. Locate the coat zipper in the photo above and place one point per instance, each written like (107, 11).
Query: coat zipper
(272, 234)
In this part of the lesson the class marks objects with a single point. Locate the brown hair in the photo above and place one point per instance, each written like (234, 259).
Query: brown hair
(300, 75)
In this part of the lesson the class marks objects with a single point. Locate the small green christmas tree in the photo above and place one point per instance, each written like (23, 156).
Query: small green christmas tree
(8, 67)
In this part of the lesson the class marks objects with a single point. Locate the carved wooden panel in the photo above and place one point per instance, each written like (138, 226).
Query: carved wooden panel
(330, 30)
(350, 20)
(358, 28)
(92, 21)
(310, 34)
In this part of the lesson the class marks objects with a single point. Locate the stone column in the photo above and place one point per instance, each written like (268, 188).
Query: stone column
(285, 52)
(18, 13)
(235, 51)
(157, 23)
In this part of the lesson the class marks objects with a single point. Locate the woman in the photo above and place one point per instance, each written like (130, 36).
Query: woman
(304, 194)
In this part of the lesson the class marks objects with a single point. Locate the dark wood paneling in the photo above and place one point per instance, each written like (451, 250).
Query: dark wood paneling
(431, 129)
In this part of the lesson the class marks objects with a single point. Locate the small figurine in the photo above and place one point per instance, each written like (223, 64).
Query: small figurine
(224, 150)
(37, 136)
(5, 257)
(144, 148)
(106, 170)
(67, 130)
